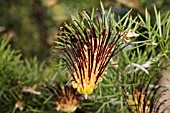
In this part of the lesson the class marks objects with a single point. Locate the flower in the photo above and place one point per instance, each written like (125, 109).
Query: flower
(144, 99)
(138, 103)
(87, 46)
(66, 98)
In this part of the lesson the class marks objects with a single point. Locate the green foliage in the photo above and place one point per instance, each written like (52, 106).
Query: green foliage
(15, 74)
(10, 73)
(9, 61)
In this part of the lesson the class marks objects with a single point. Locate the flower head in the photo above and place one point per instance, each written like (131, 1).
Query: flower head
(87, 46)
(145, 99)
(66, 98)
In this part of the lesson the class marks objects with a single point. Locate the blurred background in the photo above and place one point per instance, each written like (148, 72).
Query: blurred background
(31, 25)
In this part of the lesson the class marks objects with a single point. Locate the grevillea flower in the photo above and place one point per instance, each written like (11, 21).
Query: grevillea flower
(144, 98)
(66, 98)
(87, 46)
